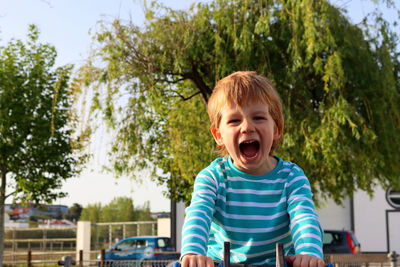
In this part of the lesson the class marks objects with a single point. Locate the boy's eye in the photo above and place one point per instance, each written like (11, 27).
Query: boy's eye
(259, 118)
(233, 121)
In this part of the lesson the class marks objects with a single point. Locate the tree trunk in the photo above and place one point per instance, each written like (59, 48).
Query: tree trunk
(3, 173)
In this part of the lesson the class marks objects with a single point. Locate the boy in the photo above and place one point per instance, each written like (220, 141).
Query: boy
(250, 197)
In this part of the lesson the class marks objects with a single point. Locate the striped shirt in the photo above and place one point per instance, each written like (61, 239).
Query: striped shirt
(253, 212)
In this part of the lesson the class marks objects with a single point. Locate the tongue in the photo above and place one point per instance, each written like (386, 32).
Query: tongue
(249, 150)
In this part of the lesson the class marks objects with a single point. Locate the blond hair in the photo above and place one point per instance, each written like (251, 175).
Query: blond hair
(242, 88)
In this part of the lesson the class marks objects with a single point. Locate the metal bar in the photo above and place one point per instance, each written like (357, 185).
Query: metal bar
(110, 235)
(29, 259)
(102, 258)
(121, 223)
(47, 229)
(280, 261)
(41, 253)
(40, 240)
(80, 258)
(227, 254)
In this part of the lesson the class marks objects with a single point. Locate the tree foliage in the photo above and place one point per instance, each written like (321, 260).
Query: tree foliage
(36, 151)
(120, 209)
(74, 212)
(339, 83)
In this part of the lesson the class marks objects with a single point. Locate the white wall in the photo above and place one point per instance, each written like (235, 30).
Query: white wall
(370, 220)
(370, 225)
(394, 230)
(164, 227)
(83, 240)
(180, 217)
(12, 224)
(335, 217)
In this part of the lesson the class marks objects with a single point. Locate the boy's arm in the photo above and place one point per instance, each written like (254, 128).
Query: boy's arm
(306, 231)
(199, 214)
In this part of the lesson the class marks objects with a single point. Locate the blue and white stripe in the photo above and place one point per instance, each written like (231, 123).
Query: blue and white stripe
(252, 212)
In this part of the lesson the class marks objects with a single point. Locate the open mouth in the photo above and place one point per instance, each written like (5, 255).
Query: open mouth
(249, 149)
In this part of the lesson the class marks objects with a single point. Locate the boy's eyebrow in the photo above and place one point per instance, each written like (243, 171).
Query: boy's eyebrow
(233, 113)
(263, 112)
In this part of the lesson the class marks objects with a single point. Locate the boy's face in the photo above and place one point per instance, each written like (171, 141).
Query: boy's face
(247, 133)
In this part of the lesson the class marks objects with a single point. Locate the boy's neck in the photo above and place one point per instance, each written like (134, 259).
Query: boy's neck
(272, 164)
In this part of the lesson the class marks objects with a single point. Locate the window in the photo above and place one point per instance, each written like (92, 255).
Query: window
(328, 238)
(332, 238)
(127, 245)
(163, 242)
(141, 243)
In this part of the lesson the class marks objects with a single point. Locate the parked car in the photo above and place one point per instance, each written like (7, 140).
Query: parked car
(340, 242)
(141, 250)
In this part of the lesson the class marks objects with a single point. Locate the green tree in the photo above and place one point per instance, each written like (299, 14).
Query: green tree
(143, 213)
(74, 212)
(120, 209)
(339, 84)
(36, 153)
(91, 213)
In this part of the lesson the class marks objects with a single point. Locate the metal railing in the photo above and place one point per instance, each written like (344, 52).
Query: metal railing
(363, 260)
(106, 234)
(40, 239)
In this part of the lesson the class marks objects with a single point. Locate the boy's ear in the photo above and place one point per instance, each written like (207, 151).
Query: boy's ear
(277, 133)
(217, 135)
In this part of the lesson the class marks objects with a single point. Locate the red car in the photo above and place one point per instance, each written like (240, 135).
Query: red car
(340, 242)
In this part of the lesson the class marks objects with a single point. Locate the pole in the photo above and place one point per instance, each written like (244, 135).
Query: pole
(29, 259)
(393, 258)
(80, 258)
(227, 254)
(280, 261)
(173, 224)
(102, 258)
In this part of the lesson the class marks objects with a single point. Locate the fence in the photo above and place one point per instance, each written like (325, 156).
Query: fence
(66, 258)
(363, 260)
(48, 245)
(39, 239)
(339, 260)
(104, 235)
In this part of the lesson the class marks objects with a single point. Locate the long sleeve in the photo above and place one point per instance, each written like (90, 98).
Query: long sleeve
(305, 227)
(199, 214)
(252, 212)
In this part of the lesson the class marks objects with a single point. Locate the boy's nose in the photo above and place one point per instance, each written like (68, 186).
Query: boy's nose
(247, 126)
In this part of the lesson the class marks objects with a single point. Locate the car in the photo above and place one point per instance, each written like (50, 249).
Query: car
(340, 242)
(141, 250)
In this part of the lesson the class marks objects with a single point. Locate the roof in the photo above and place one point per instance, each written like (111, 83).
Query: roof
(146, 237)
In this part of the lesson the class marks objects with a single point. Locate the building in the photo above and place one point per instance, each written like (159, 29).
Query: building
(21, 213)
(53, 223)
(375, 221)
(13, 224)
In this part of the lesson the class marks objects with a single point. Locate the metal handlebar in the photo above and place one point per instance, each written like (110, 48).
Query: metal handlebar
(280, 259)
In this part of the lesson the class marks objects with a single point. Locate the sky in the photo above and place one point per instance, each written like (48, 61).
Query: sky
(68, 24)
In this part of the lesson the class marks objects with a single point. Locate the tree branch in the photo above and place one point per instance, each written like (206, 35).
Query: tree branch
(199, 82)
(187, 98)
(12, 193)
(170, 81)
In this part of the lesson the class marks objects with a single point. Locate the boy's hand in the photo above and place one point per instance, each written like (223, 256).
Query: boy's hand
(304, 261)
(195, 260)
